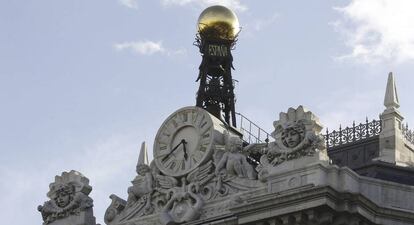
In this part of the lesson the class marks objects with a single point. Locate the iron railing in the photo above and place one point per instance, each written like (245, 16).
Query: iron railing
(252, 133)
(408, 134)
(353, 134)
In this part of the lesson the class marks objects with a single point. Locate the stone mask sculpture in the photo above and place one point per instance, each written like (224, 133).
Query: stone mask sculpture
(68, 196)
(296, 134)
(64, 195)
(298, 129)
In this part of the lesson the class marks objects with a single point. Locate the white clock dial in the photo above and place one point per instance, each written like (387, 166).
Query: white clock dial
(185, 140)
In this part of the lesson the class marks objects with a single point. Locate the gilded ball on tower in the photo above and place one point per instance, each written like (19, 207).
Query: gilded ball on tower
(218, 22)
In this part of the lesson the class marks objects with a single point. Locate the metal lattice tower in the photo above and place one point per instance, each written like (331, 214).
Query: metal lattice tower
(218, 28)
(216, 90)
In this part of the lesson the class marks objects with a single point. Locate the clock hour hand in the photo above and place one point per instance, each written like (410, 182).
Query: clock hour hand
(175, 148)
(185, 150)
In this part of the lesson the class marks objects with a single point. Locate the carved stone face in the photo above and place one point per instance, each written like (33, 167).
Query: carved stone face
(291, 138)
(62, 199)
(236, 144)
(64, 195)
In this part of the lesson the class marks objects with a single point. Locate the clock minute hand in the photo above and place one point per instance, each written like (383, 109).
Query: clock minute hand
(175, 148)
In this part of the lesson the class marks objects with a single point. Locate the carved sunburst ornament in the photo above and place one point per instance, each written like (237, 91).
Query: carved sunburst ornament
(75, 179)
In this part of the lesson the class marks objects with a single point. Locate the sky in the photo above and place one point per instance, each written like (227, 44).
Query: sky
(83, 83)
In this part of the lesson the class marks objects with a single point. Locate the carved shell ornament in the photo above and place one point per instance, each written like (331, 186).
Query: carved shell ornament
(296, 129)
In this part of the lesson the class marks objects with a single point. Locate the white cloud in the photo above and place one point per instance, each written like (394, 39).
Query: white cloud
(147, 48)
(233, 4)
(141, 47)
(133, 4)
(378, 30)
(261, 24)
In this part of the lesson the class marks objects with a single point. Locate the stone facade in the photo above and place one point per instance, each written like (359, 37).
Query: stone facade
(204, 173)
(294, 182)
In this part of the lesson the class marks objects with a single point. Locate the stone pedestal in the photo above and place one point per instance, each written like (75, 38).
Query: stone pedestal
(394, 148)
(391, 138)
(319, 157)
(84, 218)
(286, 175)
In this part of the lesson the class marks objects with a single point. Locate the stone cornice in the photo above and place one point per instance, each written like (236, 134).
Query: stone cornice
(319, 198)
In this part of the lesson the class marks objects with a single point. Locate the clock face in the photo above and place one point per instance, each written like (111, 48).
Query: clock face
(185, 140)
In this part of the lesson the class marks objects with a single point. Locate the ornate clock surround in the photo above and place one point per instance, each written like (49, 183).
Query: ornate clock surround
(186, 140)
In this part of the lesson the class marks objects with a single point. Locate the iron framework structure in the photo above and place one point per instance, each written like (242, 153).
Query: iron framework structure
(216, 90)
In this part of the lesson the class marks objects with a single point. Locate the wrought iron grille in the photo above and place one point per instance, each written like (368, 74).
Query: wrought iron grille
(353, 134)
(252, 133)
(408, 134)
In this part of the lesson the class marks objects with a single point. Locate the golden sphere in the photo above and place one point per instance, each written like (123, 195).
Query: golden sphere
(218, 22)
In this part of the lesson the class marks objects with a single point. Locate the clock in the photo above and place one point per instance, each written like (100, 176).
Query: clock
(186, 139)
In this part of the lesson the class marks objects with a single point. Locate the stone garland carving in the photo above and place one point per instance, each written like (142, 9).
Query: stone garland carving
(183, 206)
(179, 200)
(68, 196)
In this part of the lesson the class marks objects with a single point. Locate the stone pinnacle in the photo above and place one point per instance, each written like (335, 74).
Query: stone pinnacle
(143, 155)
(391, 96)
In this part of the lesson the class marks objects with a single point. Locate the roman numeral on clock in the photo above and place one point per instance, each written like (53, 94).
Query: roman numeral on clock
(162, 146)
(196, 157)
(184, 116)
(180, 165)
(168, 161)
(172, 165)
(206, 134)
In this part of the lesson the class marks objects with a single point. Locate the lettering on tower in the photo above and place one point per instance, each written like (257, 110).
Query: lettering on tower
(218, 50)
